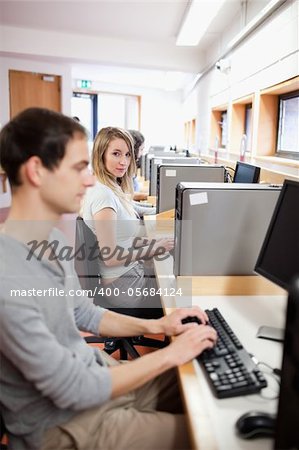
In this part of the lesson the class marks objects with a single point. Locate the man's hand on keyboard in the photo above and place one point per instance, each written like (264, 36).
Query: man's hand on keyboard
(182, 319)
(191, 343)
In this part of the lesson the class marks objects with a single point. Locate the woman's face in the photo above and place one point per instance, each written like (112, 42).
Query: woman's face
(117, 158)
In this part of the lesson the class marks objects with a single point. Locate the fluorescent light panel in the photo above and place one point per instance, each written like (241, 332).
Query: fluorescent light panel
(197, 20)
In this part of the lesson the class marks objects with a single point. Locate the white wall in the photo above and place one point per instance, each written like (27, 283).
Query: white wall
(162, 118)
(5, 198)
(161, 112)
(33, 65)
(6, 64)
(269, 56)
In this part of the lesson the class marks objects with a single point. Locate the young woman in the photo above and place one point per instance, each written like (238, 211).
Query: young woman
(109, 212)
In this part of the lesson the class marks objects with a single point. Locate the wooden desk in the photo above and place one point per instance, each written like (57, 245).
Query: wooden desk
(144, 185)
(162, 225)
(152, 199)
(246, 302)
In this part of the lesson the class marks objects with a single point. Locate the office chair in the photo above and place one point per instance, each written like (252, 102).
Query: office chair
(87, 266)
(2, 433)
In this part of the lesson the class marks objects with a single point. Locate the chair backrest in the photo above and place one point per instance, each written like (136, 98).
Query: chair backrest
(87, 266)
(87, 256)
(2, 432)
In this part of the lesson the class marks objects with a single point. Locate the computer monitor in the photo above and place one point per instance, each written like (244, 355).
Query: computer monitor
(287, 429)
(278, 259)
(246, 173)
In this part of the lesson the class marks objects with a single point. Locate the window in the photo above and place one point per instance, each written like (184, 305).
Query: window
(288, 125)
(219, 128)
(247, 126)
(99, 110)
(118, 110)
(223, 124)
(240, 129)
(190, 129)
(84, 106)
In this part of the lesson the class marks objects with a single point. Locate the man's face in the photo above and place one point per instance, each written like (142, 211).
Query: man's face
(63, 188)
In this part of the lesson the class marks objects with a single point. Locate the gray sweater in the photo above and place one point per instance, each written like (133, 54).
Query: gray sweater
(47, 371)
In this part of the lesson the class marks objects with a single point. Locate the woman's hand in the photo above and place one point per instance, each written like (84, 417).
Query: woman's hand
(163, 245)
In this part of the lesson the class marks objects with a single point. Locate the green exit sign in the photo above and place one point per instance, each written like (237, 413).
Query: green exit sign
(85, 84)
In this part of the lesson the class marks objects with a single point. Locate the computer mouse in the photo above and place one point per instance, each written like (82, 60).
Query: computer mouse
(255, 424)
(190, 319)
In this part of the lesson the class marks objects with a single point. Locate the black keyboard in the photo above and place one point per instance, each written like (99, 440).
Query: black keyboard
(229, 367)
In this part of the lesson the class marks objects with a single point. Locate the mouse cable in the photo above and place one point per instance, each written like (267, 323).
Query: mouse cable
(229, 177)
(230, 168)
(273, 373)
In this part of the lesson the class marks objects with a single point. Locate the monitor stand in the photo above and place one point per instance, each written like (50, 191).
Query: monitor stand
(272, 333)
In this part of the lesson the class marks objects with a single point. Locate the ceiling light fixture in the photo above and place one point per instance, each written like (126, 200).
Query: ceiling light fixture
(197, 20)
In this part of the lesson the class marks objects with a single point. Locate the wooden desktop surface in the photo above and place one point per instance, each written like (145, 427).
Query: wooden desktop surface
(144, 188)
(162, 225)
(246, 302)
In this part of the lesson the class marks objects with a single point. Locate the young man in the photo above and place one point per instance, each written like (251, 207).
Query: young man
(56, 391)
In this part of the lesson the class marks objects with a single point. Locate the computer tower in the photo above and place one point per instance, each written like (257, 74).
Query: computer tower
(220, 227)
(156, 149)
(169, 175)
(142, 164)
(157, 161)
(151, 155)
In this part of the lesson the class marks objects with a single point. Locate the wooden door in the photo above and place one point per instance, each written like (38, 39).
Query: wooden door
(28, 89)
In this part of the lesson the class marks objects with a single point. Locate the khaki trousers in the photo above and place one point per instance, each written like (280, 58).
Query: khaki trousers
(149, 418)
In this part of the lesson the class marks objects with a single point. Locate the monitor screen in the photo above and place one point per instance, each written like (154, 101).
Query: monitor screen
(287, 429)
(246, 173)
(279, 256)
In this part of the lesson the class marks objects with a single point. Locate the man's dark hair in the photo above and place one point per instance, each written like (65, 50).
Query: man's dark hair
(35, 132)
(138, 140)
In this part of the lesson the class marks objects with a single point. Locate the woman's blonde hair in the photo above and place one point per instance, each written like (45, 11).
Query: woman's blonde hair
(123, 188)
